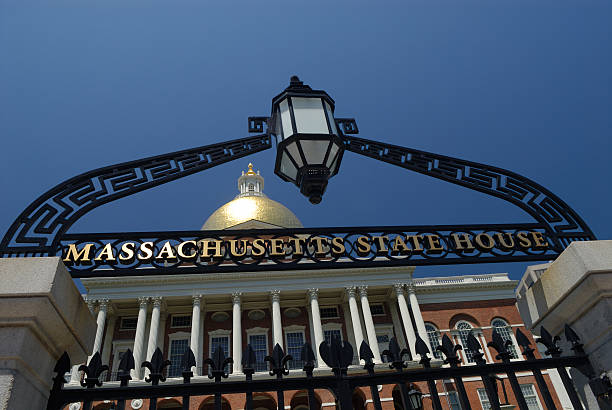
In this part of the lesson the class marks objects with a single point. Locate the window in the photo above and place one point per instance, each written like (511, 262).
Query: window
(377, 310)
(259, 343)
(531, 397)
(453, 400)
(464, 329)
(223, 342)
(295, 341)
(128, 323)
(181, 321)
(384, 333)
(177, 349)
(329, 312)
(506, 334)
(329, 334)
(433, 335)
(484, 399)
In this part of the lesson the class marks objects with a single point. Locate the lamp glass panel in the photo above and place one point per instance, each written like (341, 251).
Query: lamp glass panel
(332, 167)
(332, 154)
(330, 115)
(277, 126)
(314, 150)
(309, 115)
(295, 153)
(287, 167)
(286, 119)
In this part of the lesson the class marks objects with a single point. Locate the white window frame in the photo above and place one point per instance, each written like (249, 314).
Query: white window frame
(258, 331)
(329, 307)
(221, 333)
(177, 336)
(384, 313)
(514, 341)
(294, 329)
(535, 393)
(480, 397)
(456, 334)
(383, 330)
(333, 326)
(180, 314)
(439, 340)
(118, 347)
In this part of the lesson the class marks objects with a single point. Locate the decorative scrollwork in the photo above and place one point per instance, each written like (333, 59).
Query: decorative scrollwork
(41, 225)
(348, 125)
(562, 223)
(256, 124)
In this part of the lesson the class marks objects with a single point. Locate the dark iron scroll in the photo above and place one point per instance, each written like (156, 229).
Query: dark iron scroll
(39, 228)
(562, 223)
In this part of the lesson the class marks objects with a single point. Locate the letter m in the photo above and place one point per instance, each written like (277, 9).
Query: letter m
(74, 257)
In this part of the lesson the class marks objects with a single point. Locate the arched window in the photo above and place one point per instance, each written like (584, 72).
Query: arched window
(505, 332)
(464, 329)
(433, 334)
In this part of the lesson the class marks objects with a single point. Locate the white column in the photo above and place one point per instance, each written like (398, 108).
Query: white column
(369, 323)
(102, 306)
(350, 293)
(200, 358)
(277, 324)
(153, 330)
(194, 342)
(316, 324)
(140, 333)
(75, 374)
(405, 314)
(418, 317)
(111, 319)
(236, 333)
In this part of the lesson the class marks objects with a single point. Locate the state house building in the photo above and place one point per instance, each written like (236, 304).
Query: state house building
(231, 310)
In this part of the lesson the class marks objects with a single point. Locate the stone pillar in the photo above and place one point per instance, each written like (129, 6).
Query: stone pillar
(369, 323)
(236, 333)
(350, 293)
(405, 314)
(43, 315)
(277, 324)
(101, 321)
(194, 341)
(418, 317)
(153, 329)
(139, 339)
(313, 294)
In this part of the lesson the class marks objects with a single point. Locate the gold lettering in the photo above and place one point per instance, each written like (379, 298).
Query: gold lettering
(433, 244)
(398, 242)
(211, 245)
(462, 242)
(381, 247)
(363, 246)
(502, 242)
(181, 252)
(127, 253)
(277, 247)
(490, 242)
(259, 248)
(107, 254)
(297, 244)
(538, 240)
(166, 253)
(146, 251)
(337, 248)
(76, 257)
(415, 242)
(523, 239)
(234, 249)
(319, 243)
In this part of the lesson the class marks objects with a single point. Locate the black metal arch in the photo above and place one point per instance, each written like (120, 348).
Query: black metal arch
(40, 227)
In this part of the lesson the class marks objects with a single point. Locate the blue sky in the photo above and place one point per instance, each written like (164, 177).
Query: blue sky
(522, 85)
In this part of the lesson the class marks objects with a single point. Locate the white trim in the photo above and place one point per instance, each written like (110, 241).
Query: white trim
(220, 333)
(294, 328)
(333, 326)
(178, 335)
(258, 331)
(119, 346)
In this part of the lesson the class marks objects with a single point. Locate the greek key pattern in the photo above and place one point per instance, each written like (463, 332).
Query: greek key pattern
(562, 223)
(39, 228)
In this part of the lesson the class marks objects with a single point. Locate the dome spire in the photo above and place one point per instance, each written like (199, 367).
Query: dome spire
(250, 183)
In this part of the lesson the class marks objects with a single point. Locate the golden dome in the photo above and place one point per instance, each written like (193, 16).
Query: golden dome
(252, 208)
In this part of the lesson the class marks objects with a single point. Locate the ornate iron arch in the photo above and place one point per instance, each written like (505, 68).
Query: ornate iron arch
(38, 230)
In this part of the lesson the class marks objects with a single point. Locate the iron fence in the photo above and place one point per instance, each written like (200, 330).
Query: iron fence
(340, 381)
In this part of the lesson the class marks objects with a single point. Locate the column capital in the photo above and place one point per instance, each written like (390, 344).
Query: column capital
(350, 291)
(143, 301)
(363, 291)
(411, 287)
(313, 293)
(103, 303)
(157, 301)
(275, 295)
(399, 289)
(236, 296)
(197, 300)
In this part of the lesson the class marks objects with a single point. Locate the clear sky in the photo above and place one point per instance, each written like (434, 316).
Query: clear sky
(523, 85)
